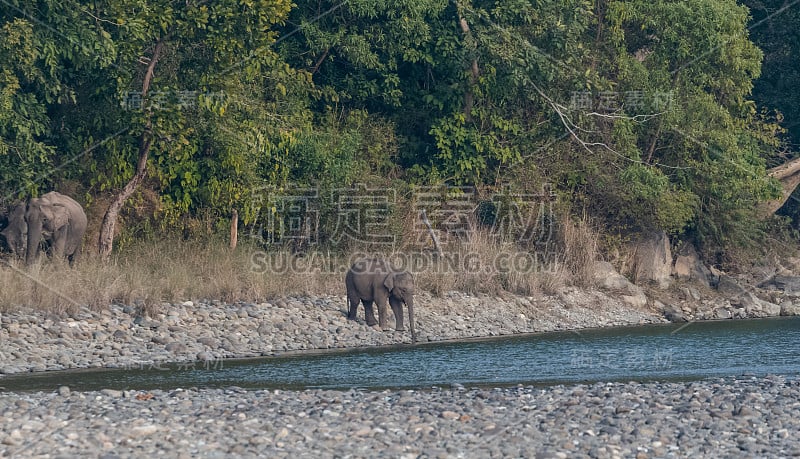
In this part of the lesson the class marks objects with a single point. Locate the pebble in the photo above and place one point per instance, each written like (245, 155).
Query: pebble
(754, 417)
(470, 422)
(209, 330)
(111, 393)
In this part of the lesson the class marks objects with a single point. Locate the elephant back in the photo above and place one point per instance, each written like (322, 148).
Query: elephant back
(77, 216)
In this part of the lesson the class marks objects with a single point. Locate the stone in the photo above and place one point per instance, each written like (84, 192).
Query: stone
(64, 391)
(652, 260)
(609, 279)
(283, 433)
(789, 308)
(688, 266)
(206, 341)
(176, 348)
(787, 284)
(755, 306)
(770, 309)
(722, 313)
(111, 393)
(638, 300)
(14, 438)
(674, 314)
(729, 286)
(142, 431)
(691, 294)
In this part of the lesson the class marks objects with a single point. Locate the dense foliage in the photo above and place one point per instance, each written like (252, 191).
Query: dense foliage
(638, 113)
(773, 26)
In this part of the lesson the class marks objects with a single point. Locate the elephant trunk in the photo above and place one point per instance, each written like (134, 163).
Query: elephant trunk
(410, 304)
(34, 237)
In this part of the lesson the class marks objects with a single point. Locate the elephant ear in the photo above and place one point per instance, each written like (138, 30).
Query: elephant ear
(59, 215)
(389, 281)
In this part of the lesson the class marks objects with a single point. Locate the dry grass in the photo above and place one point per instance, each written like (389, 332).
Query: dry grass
(166, 271)
(578, 242)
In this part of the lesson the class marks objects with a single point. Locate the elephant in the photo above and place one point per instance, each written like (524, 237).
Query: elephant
(54, 217)
(374, 280)
(16, 230)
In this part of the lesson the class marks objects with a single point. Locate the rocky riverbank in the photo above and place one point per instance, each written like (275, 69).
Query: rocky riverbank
(121, 336)
(722, 418)
(125, 336)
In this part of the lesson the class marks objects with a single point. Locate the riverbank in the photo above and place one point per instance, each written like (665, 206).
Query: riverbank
(756, 417)
(721, 418)
(122, 337)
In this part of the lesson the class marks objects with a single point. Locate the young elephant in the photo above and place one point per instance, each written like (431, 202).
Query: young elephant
(373, 280)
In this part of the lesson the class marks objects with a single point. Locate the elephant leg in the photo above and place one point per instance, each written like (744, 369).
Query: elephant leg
(73, 257)
(369, 313)
(59, 242)
(383, 314)
(397, 309)
(353, 301)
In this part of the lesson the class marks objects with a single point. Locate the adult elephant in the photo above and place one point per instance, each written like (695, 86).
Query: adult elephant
(16, 230)
(58, 219)
(374, 281)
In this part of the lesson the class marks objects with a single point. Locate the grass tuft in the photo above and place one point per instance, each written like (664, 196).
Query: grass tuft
(170, 270)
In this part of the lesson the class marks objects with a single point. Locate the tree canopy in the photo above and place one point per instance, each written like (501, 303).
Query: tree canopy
(639, 113)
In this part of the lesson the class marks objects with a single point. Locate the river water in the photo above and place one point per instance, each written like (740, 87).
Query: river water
(671, 352)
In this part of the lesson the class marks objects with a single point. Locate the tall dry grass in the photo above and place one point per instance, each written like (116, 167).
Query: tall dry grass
(578, 244)
(149, 273)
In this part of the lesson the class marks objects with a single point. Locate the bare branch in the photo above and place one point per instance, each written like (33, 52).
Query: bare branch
(101, 19)
(571, 127)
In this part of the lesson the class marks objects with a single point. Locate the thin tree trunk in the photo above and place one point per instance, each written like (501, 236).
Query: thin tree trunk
(652, 148)
(107, 228)
(234, 228)
(320, 61)
(600, 11)
(469, 96)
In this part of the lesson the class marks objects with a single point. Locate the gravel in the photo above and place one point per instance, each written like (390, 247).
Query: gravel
(757, 417)
(121, 337)
(754, 417)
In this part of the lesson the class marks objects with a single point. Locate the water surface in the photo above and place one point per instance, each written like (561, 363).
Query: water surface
(656, 352)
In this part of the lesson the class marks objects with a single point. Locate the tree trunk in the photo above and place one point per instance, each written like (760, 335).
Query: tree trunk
(469, 42)
(789, 175)
(234, 228)
(107, 228)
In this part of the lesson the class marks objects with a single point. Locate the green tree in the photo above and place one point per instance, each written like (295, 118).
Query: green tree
(42, 44)
(707, 140)
(773, 28)
(178, 70)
